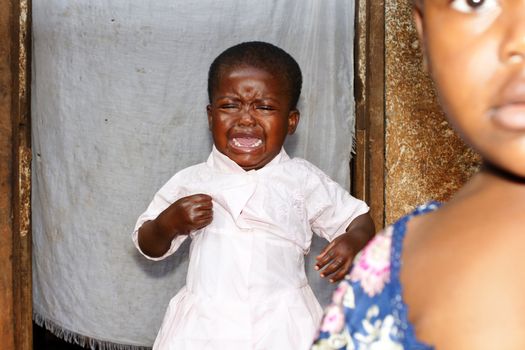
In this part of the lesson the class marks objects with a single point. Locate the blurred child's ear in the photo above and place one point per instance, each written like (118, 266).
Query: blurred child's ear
(420, 27)
(208, 111)
(293, 120)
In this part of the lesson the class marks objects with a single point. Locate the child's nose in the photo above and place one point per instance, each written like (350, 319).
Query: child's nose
(513, 44)
(246, 118)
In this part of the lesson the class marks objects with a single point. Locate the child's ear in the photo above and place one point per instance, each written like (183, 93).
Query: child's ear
(293, 120)
(420, 27)
(208, 111)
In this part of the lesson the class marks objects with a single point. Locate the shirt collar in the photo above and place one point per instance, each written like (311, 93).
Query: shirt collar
(221, 162)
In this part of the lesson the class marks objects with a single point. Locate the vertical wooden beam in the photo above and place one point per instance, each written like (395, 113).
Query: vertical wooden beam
(15, 157)
(23, 302)
(368, 162)
(7, 330)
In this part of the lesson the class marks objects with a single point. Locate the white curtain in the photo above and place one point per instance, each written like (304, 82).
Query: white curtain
(119, 96)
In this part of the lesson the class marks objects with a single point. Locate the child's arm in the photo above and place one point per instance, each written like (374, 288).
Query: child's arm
(336, 258)
(180, 218)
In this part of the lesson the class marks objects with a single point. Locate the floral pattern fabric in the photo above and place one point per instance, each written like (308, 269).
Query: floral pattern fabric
(367, 310)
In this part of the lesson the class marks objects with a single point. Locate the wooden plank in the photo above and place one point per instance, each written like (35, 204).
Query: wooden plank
(360, 171)
(15, 157)
(23, 303)
(6, 175)
(376, 109)
(368, 165)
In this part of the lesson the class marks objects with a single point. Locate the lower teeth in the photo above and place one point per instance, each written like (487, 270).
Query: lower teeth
(256, 144)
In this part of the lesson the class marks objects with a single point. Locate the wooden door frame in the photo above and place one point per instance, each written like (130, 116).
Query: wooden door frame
(15, 176)
(368, 164)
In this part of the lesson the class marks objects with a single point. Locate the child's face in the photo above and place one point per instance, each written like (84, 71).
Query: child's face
(250, 116)
(476, 55)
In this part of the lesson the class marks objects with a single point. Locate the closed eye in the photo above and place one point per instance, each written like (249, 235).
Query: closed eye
(229, 106)
(475, 6)
(265, 108)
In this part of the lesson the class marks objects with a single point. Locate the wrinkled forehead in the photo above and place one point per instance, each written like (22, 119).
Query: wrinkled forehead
(227, 69)
(275, 74)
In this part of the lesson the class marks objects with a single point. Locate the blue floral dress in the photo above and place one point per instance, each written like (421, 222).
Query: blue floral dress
(367, 310)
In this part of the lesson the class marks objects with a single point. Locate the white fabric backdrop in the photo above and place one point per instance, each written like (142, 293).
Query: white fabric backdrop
(119, 96)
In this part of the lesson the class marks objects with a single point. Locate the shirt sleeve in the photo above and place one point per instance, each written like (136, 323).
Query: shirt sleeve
(167, 195)
(330, 208)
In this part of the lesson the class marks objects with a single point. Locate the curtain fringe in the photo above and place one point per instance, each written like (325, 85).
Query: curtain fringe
(82, 340)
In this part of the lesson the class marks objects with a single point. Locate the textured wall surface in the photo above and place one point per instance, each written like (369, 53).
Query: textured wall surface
(425, 159)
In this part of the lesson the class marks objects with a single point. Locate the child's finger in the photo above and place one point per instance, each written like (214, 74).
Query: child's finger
(339, 274)
(203, 222)
(204, 214)
(332, 267)
(337, 277)
(203, 210)
(323, 259)
(204, 203)
(197, 212)
(325, 250)
(201, 201)
(202, 196)
(325, 256)
(201, 214)
(205, 206)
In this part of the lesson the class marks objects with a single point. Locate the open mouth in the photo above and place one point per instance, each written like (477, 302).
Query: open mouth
(245, 143)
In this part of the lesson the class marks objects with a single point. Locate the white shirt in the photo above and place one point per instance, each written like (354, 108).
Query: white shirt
(246, 286)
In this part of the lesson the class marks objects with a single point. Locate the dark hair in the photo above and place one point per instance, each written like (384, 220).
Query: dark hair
(260, 55)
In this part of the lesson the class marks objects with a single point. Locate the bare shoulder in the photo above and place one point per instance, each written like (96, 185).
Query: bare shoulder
(464, 277)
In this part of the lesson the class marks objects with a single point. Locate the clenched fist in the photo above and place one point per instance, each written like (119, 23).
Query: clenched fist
(180, 218)
(187, 214)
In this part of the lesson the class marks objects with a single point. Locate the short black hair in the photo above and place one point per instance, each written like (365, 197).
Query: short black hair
(260, 55)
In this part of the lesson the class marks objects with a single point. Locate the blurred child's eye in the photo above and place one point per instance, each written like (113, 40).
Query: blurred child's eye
(473, 6)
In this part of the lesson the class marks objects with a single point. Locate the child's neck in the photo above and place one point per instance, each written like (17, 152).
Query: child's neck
(493, 186)
(502, 174)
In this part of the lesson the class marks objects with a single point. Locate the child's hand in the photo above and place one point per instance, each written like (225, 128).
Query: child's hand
(187, 214)
(335, 259)
(180, 218)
